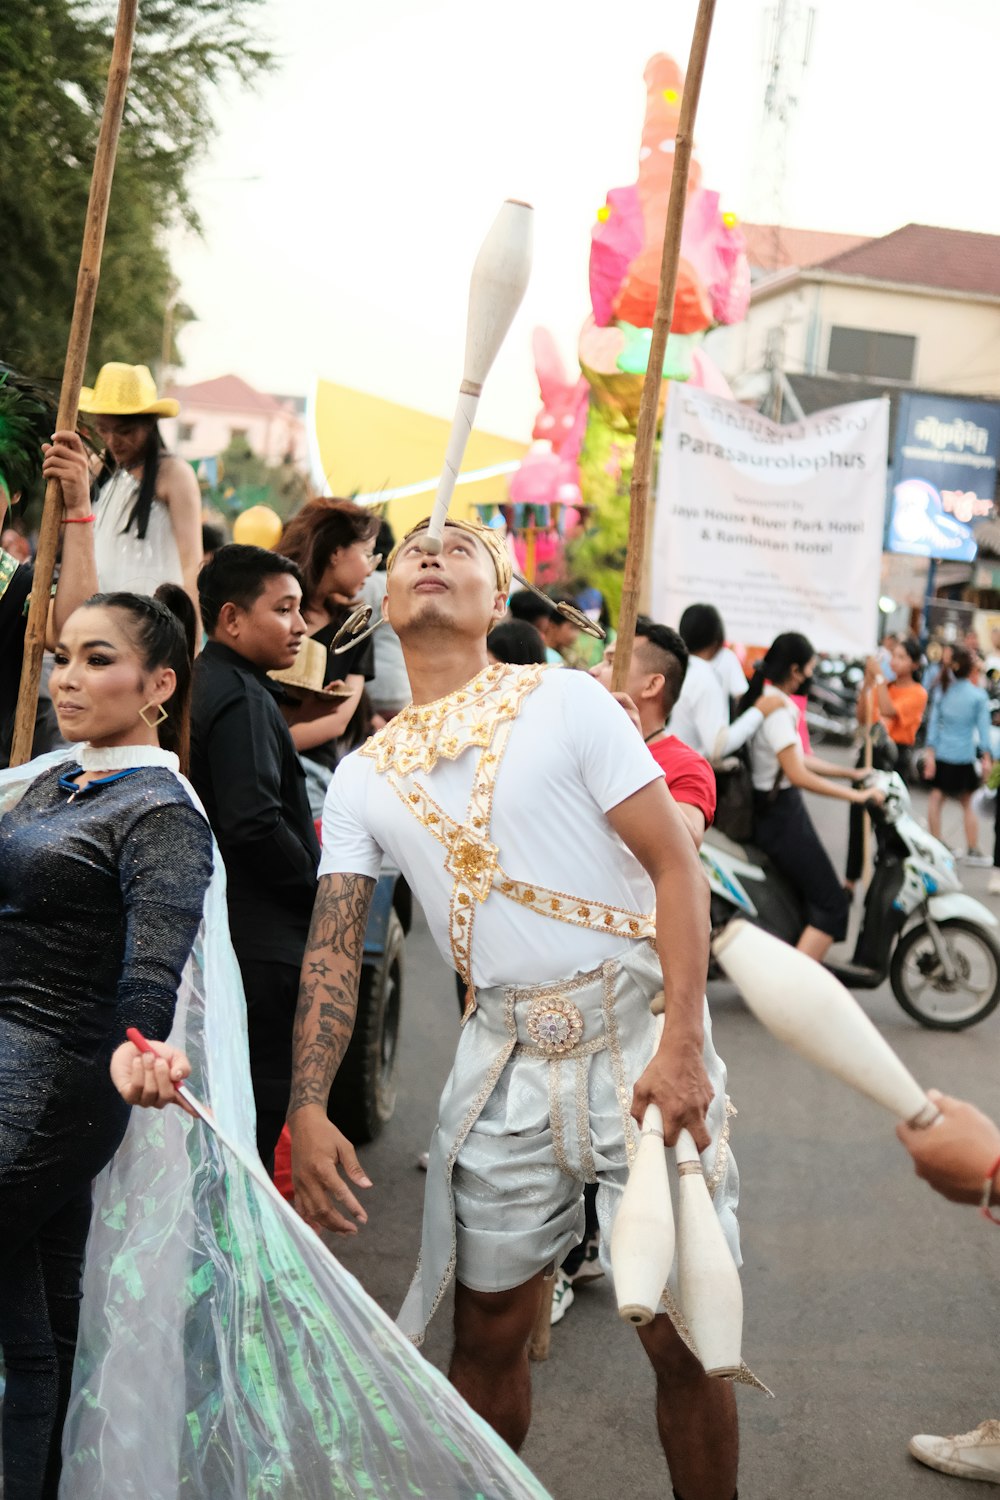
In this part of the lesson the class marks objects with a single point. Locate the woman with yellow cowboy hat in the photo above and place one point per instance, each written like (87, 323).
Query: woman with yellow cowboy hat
(148, 528)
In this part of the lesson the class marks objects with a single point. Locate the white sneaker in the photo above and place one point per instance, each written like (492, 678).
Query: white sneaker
(970, 1455)
(974, 857)
(994, 886)
(590, 1267)
(562, 1298)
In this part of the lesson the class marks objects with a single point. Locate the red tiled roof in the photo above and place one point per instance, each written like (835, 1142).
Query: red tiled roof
(774, 248)
(228, 392)
(954, 260)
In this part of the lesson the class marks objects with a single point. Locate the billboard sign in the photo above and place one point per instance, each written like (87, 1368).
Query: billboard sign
(781, 526)
(944, 476)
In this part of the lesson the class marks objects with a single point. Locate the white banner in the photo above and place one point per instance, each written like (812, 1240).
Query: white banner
(779, 527)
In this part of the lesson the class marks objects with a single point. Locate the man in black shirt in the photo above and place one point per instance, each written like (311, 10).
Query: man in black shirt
(246, 771)
(65, 459)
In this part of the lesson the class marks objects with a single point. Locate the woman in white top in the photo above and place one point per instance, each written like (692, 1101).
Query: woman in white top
(148, 528)
(701, 716)
(781, 772)
(704, 634)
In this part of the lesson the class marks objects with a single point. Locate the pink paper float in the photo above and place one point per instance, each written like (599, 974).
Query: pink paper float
(584, 434)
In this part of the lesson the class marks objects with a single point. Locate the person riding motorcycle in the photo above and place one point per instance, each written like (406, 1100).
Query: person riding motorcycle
(781, 772)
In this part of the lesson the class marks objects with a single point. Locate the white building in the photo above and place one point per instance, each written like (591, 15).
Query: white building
(919, 307)
(214, 412)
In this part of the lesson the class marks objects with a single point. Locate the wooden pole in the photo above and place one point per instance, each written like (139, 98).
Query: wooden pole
(540, 1339)
(650, 400)
(866, 822)
(76, 359)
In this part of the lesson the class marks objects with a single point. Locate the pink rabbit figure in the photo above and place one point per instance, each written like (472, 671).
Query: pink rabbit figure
(545, 478)
(563, 416)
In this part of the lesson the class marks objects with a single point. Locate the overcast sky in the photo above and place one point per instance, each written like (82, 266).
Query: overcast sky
(345, 198)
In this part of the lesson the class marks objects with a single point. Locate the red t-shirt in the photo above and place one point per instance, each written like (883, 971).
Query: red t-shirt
(688, 775)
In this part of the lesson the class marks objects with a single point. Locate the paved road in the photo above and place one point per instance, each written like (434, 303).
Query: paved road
(871, 1306)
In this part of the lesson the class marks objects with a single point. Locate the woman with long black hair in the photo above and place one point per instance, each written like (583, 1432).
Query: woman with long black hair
(148, 528)
(781, 772)
(104, 863)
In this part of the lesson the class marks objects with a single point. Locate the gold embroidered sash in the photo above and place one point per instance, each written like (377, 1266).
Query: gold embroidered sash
(474, 862)
(422, 734)
(479, 715)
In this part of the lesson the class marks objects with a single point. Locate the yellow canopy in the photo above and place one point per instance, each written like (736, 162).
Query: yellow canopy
(367, 444)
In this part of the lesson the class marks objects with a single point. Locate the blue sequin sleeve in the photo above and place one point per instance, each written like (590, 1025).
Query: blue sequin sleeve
(165, 867)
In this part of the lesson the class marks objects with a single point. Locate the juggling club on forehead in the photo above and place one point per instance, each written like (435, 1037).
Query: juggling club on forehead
(804, 1005)
(499, 278)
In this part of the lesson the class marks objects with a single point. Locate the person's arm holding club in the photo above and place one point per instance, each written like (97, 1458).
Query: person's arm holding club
(324, 1021)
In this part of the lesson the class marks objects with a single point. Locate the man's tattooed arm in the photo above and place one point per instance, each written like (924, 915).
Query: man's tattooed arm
(328, 990)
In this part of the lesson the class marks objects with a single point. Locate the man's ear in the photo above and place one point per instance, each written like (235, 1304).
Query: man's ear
(230, 619)
(499, 606)
(654, 685)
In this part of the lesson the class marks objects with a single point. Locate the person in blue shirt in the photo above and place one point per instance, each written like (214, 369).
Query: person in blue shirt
(958, 731)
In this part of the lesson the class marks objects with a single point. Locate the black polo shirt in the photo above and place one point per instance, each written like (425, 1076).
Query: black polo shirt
(246, 771)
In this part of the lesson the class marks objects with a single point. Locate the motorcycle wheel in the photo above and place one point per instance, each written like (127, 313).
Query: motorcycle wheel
(922, 990)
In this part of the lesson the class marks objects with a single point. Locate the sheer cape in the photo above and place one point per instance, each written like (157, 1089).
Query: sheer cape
(224, 1352)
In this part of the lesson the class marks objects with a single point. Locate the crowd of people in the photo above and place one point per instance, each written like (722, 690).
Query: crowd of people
(166, 666)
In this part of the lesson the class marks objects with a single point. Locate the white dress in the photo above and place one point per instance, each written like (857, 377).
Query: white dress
(123, 561)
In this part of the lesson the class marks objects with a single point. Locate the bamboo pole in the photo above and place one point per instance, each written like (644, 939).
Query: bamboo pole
(649, 401)
(540, 1339)
(87, 279)
(866, 822)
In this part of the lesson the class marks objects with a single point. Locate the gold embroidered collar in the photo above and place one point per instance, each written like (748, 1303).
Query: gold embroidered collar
(418, 737)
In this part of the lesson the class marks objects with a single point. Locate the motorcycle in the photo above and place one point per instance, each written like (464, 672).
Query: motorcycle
(833, 696)
(938, 946)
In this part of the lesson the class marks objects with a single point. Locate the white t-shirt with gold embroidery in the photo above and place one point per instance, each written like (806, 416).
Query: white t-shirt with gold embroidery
(572, 755)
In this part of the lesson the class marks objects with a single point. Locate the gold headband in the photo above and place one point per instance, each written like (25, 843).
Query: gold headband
(495, 544)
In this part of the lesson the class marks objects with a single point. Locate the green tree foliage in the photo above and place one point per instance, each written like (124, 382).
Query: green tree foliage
(597, 556)
(248, 480)
(54, 57)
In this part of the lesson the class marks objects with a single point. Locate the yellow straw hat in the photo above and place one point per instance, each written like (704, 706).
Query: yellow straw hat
(126, 391)
(308, 673)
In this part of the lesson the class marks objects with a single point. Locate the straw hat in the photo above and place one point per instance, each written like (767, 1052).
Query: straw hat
(126, 391)
(308, 673)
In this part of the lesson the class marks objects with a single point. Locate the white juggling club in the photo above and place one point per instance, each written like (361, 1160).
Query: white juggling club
(709, 1288)
(806, 1006)
(642, 1240)
(499, 278)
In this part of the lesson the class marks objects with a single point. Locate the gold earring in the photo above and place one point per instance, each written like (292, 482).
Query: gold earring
(157, 713)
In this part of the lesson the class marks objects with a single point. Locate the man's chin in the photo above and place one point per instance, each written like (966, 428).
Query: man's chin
(441, 615)
(431, 612)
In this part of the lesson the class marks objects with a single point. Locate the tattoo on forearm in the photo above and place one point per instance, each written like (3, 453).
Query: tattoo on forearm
(328, 990)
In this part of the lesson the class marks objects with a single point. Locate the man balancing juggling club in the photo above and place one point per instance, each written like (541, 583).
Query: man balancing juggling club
(470, 792)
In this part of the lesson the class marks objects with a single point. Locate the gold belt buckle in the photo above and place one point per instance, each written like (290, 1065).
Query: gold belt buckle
(555, 1025)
